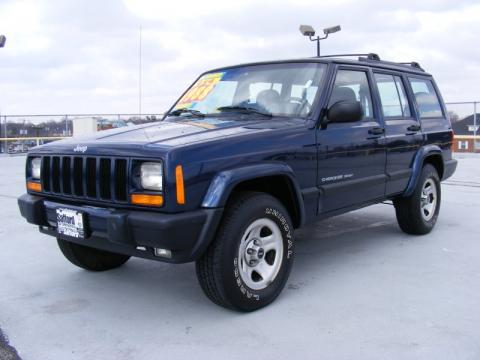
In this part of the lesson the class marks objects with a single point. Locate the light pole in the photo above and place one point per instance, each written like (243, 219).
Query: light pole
(307, 30)
(3, 40)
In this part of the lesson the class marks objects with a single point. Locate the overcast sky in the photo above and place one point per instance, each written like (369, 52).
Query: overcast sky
(81, 56)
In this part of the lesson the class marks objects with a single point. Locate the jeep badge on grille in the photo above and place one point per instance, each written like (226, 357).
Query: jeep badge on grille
(81, 149)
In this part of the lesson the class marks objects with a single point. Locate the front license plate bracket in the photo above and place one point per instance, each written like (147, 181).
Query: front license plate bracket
(70, 223)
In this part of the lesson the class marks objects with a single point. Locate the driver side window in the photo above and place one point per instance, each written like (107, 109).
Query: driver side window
(352, 85)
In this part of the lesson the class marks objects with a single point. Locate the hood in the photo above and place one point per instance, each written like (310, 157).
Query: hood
(179, 132)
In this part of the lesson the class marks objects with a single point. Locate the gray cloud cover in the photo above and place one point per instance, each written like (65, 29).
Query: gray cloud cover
(82, 56)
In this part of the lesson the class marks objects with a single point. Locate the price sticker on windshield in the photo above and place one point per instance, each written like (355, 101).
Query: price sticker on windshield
(200, 89)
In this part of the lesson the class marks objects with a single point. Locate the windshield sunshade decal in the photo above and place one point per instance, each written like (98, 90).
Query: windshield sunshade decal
(199, 90)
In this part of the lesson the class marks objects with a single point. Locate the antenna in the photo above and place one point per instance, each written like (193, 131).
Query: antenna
(140, 74)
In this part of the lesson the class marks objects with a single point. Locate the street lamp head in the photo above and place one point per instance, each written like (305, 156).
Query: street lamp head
(307, 30)
(3, 39)
(331, 30)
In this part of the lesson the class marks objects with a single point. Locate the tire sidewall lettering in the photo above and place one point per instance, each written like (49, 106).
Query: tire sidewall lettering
(277, 216)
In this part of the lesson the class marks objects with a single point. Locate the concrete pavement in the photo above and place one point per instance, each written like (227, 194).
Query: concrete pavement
(360, 289)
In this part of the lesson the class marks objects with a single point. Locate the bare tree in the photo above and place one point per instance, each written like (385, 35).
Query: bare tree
(453, 116)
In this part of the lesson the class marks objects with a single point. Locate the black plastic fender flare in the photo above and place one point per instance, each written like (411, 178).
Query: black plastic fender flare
(417, 165)
(223, 183)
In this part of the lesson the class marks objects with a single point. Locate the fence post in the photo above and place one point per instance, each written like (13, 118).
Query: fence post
(474, 126)
(5, 142)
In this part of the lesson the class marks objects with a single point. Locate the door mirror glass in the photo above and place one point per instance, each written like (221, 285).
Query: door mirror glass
(345, 111)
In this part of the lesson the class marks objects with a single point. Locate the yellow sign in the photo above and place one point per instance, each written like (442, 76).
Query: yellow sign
(200, 89)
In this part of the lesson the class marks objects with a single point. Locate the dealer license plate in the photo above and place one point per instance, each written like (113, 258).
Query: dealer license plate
(70, 223)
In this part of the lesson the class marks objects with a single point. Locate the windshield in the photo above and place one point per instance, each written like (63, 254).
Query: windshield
(287, 89)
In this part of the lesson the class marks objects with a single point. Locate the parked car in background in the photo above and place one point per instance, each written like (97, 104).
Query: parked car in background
(106, 124)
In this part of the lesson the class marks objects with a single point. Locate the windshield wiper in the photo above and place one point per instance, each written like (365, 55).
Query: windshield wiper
(193, 112)
(245, 109)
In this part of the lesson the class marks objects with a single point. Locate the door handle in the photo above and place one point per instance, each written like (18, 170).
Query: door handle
(376, 131)
(414, 128)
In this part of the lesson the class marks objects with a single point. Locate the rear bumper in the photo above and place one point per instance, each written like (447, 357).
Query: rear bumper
(134, 233)
(449, 168)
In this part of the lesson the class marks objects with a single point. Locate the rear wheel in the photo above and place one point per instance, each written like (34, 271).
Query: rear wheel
(418, 213)
(89, 258)
(248, 263)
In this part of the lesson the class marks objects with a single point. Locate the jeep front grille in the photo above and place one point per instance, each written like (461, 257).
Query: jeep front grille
(88, 177)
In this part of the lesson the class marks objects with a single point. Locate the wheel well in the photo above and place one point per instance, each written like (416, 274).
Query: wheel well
(279, 187)
(437, 161)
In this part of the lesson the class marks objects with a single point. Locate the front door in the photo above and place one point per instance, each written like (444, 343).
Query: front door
(351, 156)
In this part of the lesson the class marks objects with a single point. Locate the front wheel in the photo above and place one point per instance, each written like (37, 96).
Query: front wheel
(89, 258)
(247, 265)
(418, 213)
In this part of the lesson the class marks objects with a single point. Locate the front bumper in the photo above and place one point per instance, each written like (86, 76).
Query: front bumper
(131, 232)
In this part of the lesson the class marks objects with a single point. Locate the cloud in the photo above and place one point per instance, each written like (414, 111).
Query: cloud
(77, 56)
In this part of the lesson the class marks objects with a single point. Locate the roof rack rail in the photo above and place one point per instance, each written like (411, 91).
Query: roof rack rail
(369, 56)
(412, 64)
(375, 57)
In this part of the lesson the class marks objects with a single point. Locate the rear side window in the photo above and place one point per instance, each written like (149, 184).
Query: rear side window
(352, 85)
(392, 96)
(426, 98)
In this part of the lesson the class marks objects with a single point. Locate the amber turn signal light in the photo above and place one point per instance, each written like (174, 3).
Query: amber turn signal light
(34, 186)
(146, 199)
(180, 187)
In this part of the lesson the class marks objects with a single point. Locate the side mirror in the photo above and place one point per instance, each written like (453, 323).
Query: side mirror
(345, 111)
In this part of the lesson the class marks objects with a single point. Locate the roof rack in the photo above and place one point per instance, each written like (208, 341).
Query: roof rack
(369, 56)
(412, 64)
(375, 57)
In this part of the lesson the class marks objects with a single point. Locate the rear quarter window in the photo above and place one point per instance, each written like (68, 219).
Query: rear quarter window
(426, 98)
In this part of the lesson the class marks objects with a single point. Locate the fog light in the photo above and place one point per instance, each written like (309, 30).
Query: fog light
(163, 253)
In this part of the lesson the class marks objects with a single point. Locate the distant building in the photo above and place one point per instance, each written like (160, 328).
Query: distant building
(465, 131)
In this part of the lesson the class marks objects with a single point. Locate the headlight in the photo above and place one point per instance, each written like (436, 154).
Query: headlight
(35, 168)
(151, 175)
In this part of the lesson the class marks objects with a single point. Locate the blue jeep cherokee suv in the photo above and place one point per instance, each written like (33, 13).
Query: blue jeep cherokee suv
(245, 156)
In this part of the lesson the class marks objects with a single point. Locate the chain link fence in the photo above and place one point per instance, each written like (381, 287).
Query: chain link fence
(465, 123)
(19, 133)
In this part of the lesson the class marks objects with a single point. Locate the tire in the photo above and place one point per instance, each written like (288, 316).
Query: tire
(89, 258)
(248, 263)
(418, 213)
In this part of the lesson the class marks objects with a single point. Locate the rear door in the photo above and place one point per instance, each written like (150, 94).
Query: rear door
(403, 134)
(351, 156)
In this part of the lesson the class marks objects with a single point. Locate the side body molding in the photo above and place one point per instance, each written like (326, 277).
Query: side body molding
(224, 182)
(417, 165)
